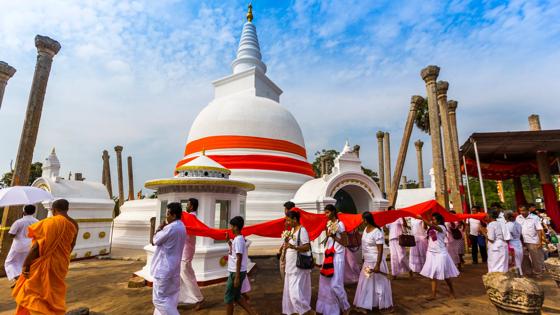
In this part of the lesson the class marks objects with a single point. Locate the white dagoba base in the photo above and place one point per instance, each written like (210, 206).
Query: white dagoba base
(131, 229)
(206, 263)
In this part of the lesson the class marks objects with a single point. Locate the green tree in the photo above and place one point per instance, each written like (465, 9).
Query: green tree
(36, 171)
(422, 119)
(329, 156)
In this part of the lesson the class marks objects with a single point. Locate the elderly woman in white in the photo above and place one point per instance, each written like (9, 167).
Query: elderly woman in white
(297, 281)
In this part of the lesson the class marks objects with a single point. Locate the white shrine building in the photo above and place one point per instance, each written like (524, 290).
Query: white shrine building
(220, 198)
(90, 206)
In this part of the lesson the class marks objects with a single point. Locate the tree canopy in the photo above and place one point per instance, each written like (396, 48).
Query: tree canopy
(36, 171)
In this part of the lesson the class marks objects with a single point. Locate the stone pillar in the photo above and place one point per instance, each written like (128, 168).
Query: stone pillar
(415, 101)
(534, 123)
(404, 183)
(419, 144)
(118, 150)
(6, 72)
(130, 179)
(107, 173)
(380, 135)
(451, 169)
(452, 112)
(429, 75)
(47, 48)
(387, 153)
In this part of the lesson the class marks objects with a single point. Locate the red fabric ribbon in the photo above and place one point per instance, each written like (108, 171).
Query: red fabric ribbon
(316, 223)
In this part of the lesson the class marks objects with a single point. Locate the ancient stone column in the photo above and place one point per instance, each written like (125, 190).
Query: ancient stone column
(419, 144)
(534, 123)
(415, 101)
(429, 75)
(6, 72)
(387, 153)
(380, 135)
(451, 168)
(47, 48)
(118, 150)
(107, 173)
(452, 113)
(130, 179)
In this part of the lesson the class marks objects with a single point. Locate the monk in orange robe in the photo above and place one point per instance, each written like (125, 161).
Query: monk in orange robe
(41, 290)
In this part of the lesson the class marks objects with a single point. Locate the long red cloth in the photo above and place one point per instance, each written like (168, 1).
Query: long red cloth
(316, 223)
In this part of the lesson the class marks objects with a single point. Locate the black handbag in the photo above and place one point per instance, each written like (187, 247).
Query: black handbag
(304, 261)
(407, 240)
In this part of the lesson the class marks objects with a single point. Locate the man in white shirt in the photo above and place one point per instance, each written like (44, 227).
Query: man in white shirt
(20, 245)
(166, 264)
(473, 228)
(533, 238)
(190, 292)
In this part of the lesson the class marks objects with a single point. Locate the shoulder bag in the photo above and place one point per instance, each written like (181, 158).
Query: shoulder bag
(303, 261)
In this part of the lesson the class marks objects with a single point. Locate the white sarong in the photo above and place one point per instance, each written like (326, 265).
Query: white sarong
(332, 297)
(190, 292)
(166, 296)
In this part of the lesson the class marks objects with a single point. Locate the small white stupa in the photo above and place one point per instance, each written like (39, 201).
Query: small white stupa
(90, 206)
(219, 199)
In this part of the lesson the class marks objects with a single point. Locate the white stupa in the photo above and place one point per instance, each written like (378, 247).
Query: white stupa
(246, 130)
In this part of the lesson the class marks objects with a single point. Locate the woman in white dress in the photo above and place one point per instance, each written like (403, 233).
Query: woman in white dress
(297, 281)
(418, 252)
(498, 246)
(332, 298)
(374, 288)
(439, 265)
(515, 242)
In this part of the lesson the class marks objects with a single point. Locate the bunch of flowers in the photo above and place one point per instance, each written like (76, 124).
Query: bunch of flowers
(287, 234)
(368, 271)
(332, 227)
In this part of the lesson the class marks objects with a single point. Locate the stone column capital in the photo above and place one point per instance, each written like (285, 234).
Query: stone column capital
(47, 45)
(418, 144)
(118, 149)
(6, 71)
(430, 73)
(416, 101)
(452, 106)
(442, 87)
(380, 134)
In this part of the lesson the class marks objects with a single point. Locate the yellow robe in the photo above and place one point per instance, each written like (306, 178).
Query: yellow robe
(44, 292)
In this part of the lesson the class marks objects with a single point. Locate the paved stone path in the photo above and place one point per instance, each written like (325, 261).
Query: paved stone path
(101, 285)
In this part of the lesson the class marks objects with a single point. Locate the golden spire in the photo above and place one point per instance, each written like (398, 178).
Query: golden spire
(250, 13)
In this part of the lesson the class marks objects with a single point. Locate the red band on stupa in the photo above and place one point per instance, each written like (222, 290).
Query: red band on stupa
(243, 142)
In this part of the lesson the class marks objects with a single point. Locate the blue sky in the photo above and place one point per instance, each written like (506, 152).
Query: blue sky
(136, 73)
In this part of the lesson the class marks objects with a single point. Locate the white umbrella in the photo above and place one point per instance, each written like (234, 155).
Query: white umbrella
(23, 195)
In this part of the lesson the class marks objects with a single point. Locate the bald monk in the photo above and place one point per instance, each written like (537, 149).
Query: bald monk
(41, 289)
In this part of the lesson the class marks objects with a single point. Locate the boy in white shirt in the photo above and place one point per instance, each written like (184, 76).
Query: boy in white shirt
(237, 268)
(533, 240)
(21, 244)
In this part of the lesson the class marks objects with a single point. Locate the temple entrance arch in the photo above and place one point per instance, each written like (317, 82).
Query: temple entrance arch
(352, 199)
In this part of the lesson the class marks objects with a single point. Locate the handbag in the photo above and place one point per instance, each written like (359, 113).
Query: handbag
(455, 232)
(407, 240)
(303, 261)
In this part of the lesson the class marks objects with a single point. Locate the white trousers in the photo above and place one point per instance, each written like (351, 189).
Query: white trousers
(190, 292)
(14, 263)
(166, 296)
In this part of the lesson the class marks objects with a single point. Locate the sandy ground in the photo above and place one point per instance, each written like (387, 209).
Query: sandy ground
(101, 285)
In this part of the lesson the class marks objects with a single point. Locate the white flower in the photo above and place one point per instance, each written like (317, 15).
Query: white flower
(332, 227)
(368, 272)
(286, 234)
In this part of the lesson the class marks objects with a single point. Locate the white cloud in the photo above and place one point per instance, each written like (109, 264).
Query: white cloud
(136, 73)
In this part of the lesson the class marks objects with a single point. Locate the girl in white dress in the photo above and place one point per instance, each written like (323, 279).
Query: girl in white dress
(439, 265)
(297, 282)
(418, 252)
(374, 288)
(399, 260)
(498, 246)
(332, 299)
(515, 242)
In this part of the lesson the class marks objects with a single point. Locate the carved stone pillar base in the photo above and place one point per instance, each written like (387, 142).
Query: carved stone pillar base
(513, 294)
(553, 269)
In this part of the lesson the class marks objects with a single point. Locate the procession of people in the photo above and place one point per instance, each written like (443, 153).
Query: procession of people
(39, 258)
